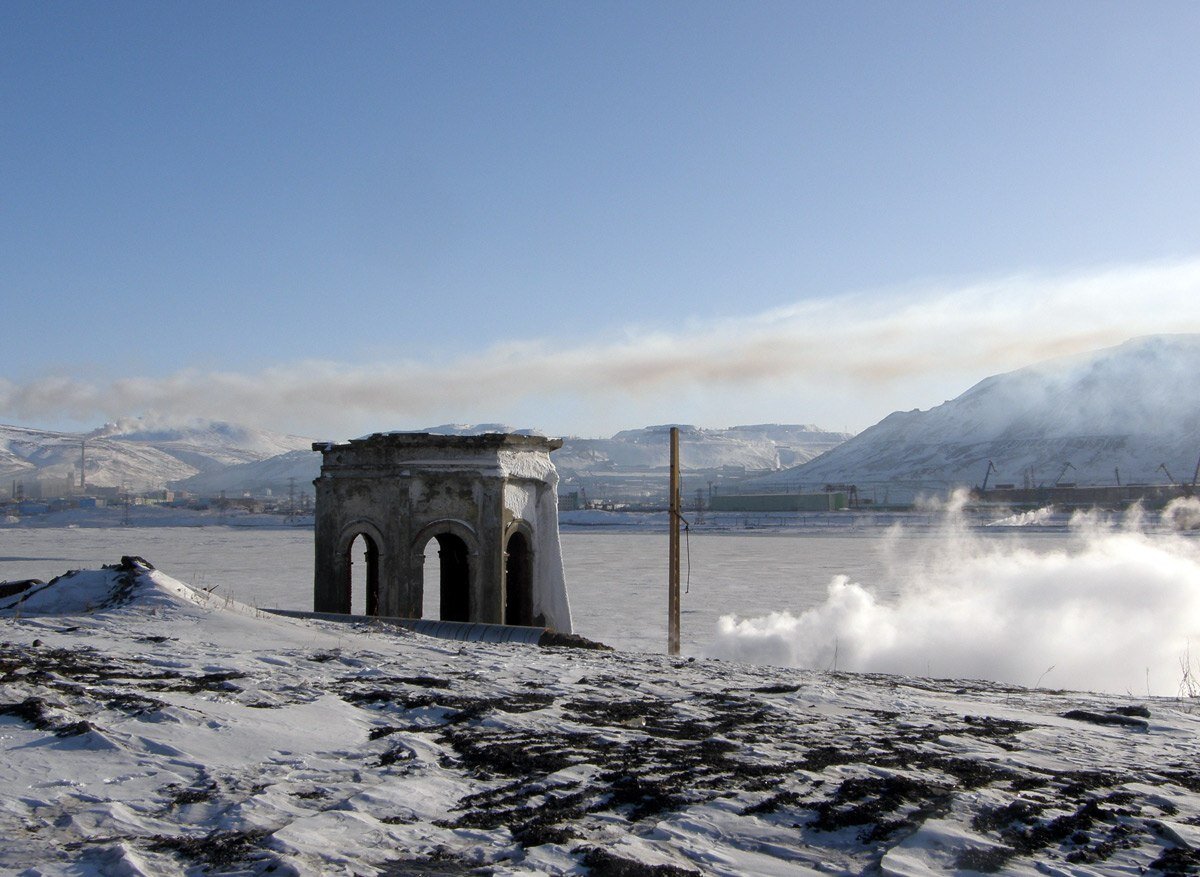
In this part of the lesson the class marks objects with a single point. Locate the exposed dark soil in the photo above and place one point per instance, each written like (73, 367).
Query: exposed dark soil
(602, 863)
(667, 755)
(562, 764)
(219, 850)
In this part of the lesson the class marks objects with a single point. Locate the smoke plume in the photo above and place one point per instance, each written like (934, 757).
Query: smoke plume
(840, 360)
(1116, 610)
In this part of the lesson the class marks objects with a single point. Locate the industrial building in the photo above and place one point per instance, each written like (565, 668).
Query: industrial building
(831, 501)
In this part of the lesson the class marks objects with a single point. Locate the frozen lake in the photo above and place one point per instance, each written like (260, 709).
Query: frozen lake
(1104, 605)
(616, 580)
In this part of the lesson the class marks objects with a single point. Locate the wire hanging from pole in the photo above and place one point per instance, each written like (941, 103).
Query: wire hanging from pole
(687, 542)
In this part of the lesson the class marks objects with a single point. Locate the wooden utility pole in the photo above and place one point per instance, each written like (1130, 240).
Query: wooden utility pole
(673, 578)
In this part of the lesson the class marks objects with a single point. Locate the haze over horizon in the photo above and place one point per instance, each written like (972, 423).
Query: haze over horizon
(334, 220)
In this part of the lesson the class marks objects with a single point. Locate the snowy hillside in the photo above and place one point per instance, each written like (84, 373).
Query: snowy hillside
(137, 454)
(205, 444)
(31, 456)
(1130, 408)
(765, 446)
(275, 475)
(153, 729)
(795, 443)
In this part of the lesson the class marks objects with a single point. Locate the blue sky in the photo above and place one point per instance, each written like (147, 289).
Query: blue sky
(582, 217)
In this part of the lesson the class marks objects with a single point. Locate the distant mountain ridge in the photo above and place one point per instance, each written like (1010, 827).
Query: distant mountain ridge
(1126, 412)
(134, 453)
(1127, 409)
(208, 457)
(756, 447)
(215, 440)
(761, 446)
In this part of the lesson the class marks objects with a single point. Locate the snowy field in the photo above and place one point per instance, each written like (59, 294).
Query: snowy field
(152, 729)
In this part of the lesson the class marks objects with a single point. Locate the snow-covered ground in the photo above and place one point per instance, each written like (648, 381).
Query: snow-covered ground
(150, 728)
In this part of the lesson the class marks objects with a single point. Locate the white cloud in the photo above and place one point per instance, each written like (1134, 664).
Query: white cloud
(844, 360)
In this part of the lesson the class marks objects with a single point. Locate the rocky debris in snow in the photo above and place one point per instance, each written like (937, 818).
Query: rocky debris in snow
(200, 739)
(1111, 717)
(555, 639)
(11, 589)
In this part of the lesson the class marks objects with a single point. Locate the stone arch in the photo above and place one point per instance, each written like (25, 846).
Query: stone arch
(343, 565)
(458, 552)
(518, 574)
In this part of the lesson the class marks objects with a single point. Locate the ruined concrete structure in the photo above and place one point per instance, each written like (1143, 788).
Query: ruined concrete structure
(489, 500)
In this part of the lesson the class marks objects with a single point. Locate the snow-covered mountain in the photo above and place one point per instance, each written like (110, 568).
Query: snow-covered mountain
(1130, 408)
(763, 446)
(631, 452)
(1124, 412)
(139, 454)
(273, 475)
(205, 444)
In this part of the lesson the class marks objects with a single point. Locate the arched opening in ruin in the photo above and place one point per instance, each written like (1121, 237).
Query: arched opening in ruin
(362, 576)
(453, 578)
(431, 582)
(518, 580)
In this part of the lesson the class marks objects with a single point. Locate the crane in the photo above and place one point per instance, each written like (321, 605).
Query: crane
(1065, 467)
(992, 468)
(1185, 489)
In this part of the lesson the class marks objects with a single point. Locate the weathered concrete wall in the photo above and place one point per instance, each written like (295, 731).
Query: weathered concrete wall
(403, 489)
(532, 495)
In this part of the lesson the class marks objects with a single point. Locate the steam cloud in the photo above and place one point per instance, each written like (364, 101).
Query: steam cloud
(884, 348)
(1118, 610)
